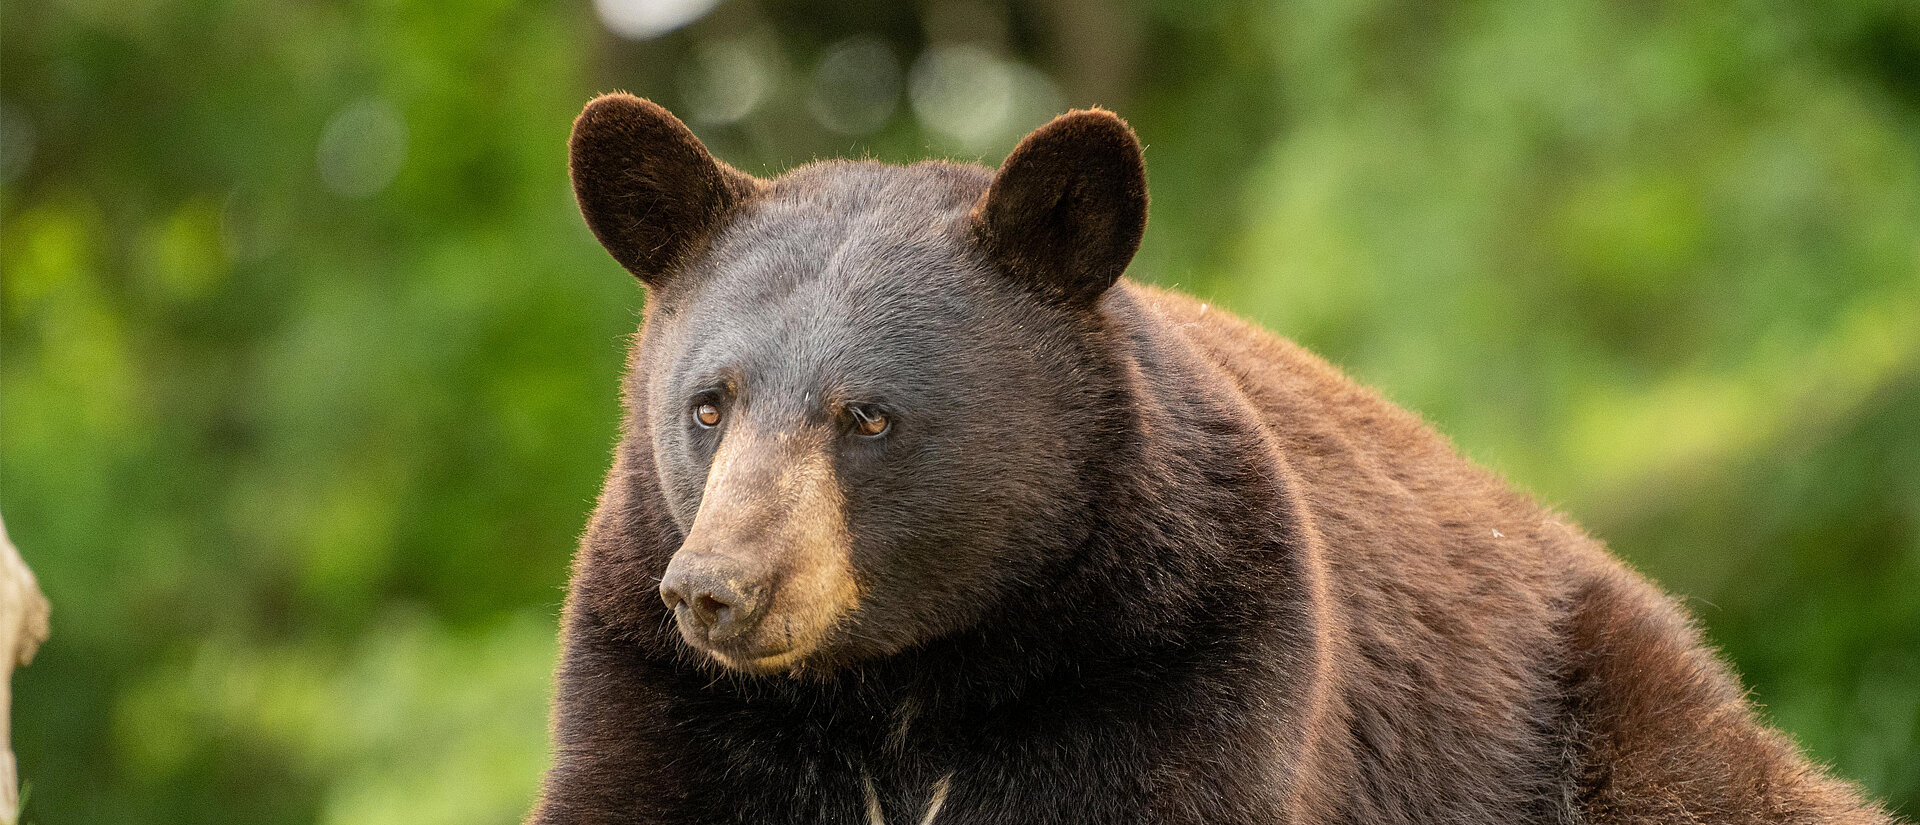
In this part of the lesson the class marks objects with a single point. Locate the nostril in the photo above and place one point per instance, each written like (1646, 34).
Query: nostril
(671, 595)
(709, 611)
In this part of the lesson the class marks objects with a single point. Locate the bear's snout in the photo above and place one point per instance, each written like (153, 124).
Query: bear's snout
(764, 575)
(714, 598)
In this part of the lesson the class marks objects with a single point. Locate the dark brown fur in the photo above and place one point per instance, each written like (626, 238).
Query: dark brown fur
(1461, 606)
(1147, 563)
(652, 191)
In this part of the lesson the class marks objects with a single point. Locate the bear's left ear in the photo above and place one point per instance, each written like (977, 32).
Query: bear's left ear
(1065, 212)
(648, 188)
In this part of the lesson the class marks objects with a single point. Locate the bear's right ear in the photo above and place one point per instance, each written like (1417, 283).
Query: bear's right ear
(649, 190)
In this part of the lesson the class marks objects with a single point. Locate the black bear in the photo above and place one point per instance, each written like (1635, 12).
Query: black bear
(924, 515)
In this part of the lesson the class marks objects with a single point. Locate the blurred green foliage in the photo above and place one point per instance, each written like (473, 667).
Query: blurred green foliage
(310, 367)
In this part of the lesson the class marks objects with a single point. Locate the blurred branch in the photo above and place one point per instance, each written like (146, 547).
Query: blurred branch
(23, 626)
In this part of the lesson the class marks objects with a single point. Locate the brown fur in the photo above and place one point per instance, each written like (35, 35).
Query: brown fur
(1049, 217)
(648, 188)
(1452, 599)
(1127, 559)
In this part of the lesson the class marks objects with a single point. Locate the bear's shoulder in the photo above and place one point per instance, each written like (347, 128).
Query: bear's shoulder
(1295, 392)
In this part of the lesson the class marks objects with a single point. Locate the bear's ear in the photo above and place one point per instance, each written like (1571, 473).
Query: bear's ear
(1065, 212)
(649, 190)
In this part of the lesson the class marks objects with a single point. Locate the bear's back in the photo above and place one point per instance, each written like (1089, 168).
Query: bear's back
(1491, 657)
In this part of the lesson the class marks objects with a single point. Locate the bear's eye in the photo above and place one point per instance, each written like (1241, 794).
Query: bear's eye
(707, 415)
(869, 422)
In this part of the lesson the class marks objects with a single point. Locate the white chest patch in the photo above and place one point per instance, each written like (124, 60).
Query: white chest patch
(935, 798)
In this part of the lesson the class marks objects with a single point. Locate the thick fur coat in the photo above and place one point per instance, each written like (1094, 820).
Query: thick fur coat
(924, 515)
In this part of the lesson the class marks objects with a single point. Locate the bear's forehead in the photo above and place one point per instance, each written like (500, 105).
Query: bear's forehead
(853, 185)
(847, 233)
(840, 266)
(822, 208)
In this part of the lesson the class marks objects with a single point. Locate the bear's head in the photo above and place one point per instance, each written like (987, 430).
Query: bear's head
(871, 394)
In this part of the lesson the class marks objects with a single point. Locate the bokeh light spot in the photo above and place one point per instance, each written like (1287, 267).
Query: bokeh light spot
(362, 148)
(648, 19)
(725, 80)
(977, 99)
(856, 87)
(963, 92)
(17, 141)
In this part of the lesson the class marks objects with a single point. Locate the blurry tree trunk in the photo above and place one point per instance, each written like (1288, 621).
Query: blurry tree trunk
(23, 626)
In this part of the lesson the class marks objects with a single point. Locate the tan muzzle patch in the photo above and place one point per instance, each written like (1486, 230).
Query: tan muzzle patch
(772, 521)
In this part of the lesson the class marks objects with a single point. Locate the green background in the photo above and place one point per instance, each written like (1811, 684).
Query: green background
(309, 364)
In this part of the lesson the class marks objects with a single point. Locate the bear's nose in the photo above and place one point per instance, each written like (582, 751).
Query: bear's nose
(717, 601)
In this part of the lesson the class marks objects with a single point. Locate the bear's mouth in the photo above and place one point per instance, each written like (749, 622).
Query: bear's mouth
(764, 650)
(757, 657)
(760, 664)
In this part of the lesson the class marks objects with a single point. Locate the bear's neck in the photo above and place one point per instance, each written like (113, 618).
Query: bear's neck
(1184, 541)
